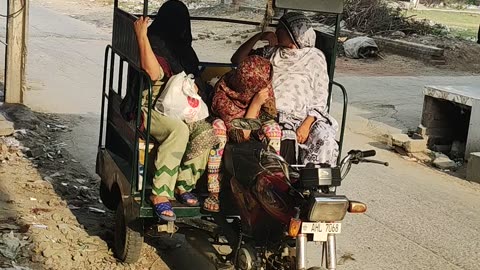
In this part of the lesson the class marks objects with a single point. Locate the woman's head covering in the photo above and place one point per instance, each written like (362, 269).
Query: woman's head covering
(299, 27)
(235, 91)
(251, 76)
(170, 35)
(172, 23)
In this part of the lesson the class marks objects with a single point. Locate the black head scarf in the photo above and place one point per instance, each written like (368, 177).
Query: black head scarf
(170, 35)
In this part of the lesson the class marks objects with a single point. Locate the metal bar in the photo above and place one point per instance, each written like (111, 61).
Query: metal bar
(112, 72)
(120, 77)
(324, 254)
(344, 119)
(104, 94)
(115, 4)
(210, 19)
(134, 160)
(147, 139)
(301, 248)
(145, 8)
(333, 59)
(331, 252)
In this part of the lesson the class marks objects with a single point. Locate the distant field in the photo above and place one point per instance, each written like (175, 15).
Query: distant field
(460, 23)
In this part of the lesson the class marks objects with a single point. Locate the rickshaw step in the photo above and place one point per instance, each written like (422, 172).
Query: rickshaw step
(180, 210)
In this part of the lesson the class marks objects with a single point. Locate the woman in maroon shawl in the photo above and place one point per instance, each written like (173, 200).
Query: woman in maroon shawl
(242, 93)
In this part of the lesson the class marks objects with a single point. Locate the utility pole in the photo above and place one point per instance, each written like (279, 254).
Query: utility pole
(17, 33)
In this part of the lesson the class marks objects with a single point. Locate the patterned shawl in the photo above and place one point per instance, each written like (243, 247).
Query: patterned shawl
(235, 91)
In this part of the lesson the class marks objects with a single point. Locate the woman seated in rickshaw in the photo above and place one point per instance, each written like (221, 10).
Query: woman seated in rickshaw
(165, 49)
(300, 82)
(242, 93)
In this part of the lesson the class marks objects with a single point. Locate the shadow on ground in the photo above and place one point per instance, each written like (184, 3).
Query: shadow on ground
(42, 133)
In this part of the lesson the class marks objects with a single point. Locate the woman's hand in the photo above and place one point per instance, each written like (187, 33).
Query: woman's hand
(261, 97)
(271, 37)
(304, 130)
(302, 133)
(141, 26)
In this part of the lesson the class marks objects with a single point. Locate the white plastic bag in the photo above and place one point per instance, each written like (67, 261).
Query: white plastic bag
(180, 100)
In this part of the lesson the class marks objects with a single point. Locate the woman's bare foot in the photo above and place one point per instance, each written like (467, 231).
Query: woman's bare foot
(161, 199)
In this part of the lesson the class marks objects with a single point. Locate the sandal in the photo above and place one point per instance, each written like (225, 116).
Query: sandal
(212, 204)
(163, 207)
(184, 197)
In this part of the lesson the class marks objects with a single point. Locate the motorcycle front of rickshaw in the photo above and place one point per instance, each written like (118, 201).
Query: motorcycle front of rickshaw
(267, 222)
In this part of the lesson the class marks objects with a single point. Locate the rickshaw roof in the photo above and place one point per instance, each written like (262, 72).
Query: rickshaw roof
(323, 6)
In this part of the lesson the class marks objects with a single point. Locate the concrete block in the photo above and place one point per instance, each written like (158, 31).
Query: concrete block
(422, 157)
(444, 163)
(473, 168)
(415, 146)
(399, 139)
(6, 128)
(422, 130)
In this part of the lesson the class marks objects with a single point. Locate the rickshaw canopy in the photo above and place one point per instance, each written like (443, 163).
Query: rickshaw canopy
(322, 6)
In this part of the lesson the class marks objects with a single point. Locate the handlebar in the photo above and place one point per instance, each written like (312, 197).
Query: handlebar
(369, 153)
(355, 157)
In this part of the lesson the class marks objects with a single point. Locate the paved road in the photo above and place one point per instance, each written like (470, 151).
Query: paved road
(396, 101)
(65, 63)
(417, 219)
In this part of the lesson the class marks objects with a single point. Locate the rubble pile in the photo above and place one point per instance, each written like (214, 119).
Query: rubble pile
(414, 146)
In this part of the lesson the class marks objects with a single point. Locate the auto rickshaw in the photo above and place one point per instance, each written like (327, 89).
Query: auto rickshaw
(123, 145)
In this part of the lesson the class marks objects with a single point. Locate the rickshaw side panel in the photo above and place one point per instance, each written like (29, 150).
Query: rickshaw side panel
(119, 135)
(326, 43)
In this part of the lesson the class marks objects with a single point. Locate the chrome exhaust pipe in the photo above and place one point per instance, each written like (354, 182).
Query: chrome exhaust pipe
(331, 252)
(301, 251)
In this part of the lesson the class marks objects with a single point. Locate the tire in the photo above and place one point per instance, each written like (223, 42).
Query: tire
(109, 198)
(128, 236)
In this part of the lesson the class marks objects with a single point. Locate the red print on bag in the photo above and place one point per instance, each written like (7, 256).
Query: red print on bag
(193, 102)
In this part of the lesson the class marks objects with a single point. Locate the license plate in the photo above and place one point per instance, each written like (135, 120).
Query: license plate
(321, 230)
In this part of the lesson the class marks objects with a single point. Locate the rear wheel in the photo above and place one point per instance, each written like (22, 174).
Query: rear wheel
(109, 198)
(128, 236)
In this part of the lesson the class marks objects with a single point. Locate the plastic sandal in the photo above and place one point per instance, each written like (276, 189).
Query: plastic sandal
(163, 207)
(211, 201)
(184, 197)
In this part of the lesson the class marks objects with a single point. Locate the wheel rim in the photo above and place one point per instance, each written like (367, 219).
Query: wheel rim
(244, 260)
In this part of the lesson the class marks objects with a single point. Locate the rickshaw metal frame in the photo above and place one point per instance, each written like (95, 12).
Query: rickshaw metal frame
(130, 55)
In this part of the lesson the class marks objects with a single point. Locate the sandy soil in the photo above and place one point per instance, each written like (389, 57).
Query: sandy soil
(51, 202)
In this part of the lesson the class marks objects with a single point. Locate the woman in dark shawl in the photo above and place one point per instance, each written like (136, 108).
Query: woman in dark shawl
(165, 50)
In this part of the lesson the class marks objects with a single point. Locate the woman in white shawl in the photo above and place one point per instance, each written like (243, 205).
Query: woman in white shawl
(300, 82)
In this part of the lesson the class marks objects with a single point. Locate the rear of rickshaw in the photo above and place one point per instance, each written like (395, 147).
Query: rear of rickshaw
(125, 151)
